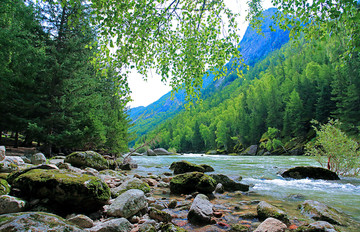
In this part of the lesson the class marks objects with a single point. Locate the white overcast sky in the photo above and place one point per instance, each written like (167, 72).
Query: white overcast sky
(147, 92)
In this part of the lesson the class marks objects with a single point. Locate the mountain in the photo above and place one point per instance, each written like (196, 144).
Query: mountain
(254, 47)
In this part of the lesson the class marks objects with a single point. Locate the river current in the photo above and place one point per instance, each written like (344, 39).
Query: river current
(262, 174)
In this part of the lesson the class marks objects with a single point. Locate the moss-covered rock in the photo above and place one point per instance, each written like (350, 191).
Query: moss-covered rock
(239, 228)
(266, 210)
(310, 172)
(171, 228)
(191, 182)
(4, 187)
(229, 184)
(184, 166)
(321, 212)
(159, 215)
(35, 221)
(132, 183)
(90, 159)
(66, 191)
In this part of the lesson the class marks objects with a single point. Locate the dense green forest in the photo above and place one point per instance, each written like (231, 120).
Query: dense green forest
(50, 92)
(284, 92)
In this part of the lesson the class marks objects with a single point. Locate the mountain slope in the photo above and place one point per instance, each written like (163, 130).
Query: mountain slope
(253, 47)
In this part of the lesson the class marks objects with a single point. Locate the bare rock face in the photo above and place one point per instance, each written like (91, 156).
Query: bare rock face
(201, 210)
(271, 225)
(310, 172)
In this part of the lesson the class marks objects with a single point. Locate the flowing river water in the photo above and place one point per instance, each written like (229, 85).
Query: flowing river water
(262, 174)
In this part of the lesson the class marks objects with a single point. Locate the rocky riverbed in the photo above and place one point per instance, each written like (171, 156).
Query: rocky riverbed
(85, 192)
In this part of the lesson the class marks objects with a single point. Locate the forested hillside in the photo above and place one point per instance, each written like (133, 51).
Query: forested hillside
(50, 92)
(284, 92)
(253, 47)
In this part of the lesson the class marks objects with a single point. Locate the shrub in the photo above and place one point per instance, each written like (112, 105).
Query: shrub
(334, 149)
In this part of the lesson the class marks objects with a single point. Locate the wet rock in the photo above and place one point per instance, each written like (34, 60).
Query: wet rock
(159, 215)
(239, 228)
(90, 159)
(229, 184)
(82, 221)
(184, 166)
(207, 168)
(321, 212)
(132, 183)
(65, 191)
(10, 204)
(191, 182)
(201, 210)
(172, 204)
(4, 187)
(271, 225)
(171, 228)
(38, 158)
(310, 172)
(34, 221)
(113, 225)
(219, 188)
(266, 210)
(127, 204)
(319, 226)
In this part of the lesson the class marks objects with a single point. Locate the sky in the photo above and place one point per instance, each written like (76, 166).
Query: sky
(144, 93)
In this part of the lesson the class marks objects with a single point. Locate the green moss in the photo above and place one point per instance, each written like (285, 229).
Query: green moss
(239, 228)
(88, 159)
(192, 181)
(4, 187)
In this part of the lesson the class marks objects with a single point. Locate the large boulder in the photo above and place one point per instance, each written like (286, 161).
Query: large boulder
(192, 182)
(317, 226)
(11, 163)
(38, 158)
(321, 212)
(10, 204)
(184, 166)
(271, 225)
(229, 184)
(90, 159)
(4, 187)
(127, 204)
(266, 210)
(161, 151)
(252, 150)
(66, 191)
(201, 210)
(35, 221)
(112, 225)
(149, 152)
(310, 172)
(132, 183)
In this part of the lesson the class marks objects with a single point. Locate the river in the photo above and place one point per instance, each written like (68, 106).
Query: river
(261, 173)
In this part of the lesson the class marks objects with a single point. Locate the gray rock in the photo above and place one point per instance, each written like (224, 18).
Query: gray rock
(150, 152)
(131, 183)
(229, 184)
(34, 221)
(191, 182)
(113, 225)
(320, 226)
(10, 204)
(161, 151)
(321, 212)
(271, 225)
(82, 221)
(38, 158)
(90, 159)
(252, 150)
(11, 163)
(219, 188)
(127, 204)
(266, 210)
(201, 210)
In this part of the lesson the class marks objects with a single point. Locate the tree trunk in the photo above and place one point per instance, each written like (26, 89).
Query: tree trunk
(16, 143)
